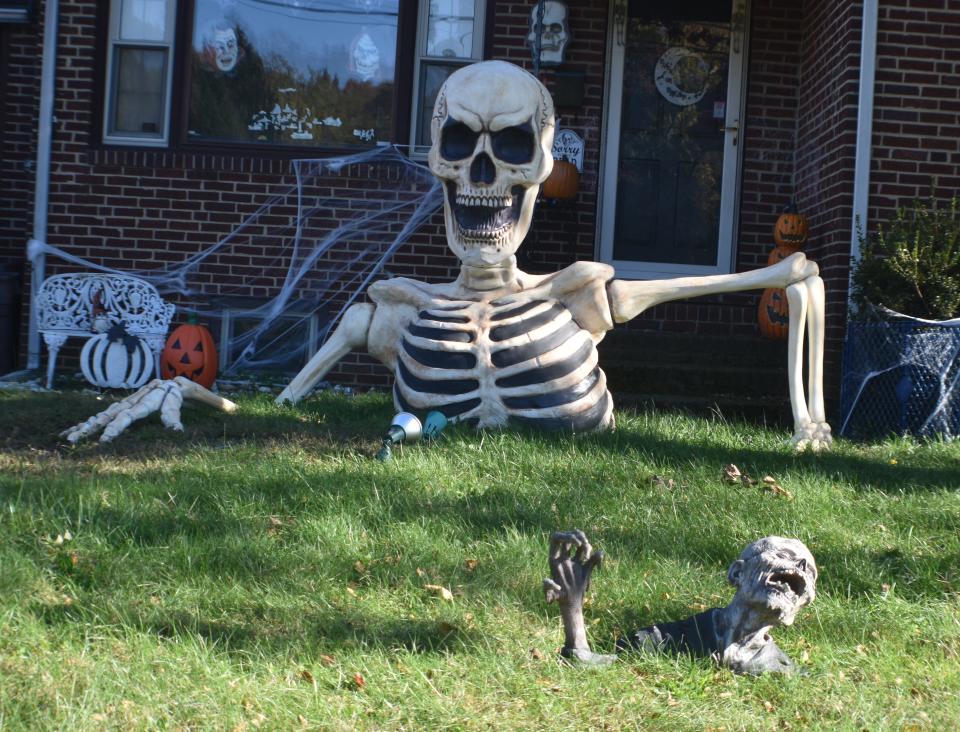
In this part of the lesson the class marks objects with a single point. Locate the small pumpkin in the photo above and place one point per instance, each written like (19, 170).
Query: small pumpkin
(116, 360)
(791, 230)
(563, 182)
(190, 352)
(774, 314)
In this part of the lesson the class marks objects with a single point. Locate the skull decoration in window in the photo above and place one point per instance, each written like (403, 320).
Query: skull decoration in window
(556, 32)
(499, 346)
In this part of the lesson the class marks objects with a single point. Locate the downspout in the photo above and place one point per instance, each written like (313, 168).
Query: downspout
(861, 166)
(41, 193)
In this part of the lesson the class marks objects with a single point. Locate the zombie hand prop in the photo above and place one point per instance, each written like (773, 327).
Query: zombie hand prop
(165, 396)
(572, 561)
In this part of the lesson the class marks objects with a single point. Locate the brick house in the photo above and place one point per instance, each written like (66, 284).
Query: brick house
(700, 121)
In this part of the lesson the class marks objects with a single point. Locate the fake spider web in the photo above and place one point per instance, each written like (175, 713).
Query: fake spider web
(307, 254)
(901, 375)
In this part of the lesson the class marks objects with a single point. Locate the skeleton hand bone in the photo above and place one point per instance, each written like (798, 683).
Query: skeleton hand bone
(165, 396)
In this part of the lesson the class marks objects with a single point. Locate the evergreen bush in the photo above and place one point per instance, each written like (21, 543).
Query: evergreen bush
(912, 264)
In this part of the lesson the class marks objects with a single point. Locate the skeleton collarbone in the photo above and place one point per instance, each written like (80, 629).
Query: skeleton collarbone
(525, 351)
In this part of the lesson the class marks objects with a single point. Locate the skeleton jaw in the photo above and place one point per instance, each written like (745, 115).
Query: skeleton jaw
(785, 591)
(486, 227)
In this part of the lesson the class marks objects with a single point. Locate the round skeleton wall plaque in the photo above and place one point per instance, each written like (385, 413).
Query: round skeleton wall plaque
(681, 76)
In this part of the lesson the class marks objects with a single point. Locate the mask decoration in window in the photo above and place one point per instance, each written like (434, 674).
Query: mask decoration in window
(556, 32)
(364, 57)
(226, 49)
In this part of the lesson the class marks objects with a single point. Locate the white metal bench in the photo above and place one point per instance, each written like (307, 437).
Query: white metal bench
(65, 304)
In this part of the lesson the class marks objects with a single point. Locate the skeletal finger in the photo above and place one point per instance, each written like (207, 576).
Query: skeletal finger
(552, 591)
(560, 544)
(596, 559)
(584, 550)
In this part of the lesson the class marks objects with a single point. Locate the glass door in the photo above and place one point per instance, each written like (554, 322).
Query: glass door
(671, 161)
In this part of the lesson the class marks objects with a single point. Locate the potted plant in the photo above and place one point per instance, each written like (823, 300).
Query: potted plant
(901, 364)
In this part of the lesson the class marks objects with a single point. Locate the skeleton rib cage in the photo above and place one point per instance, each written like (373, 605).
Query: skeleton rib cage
(514, 358)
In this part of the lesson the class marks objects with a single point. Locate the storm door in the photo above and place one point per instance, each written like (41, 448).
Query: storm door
(672, 143)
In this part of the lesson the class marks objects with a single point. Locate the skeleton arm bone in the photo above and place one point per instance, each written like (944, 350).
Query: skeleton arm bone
(804, 288)
(630, 298)
(351, 333)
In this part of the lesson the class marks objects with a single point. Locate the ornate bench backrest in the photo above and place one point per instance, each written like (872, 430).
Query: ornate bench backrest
(65, 301)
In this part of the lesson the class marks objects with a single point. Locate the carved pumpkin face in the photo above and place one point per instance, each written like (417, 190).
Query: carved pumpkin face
(774, 314)
(190, 352)
(791, 230)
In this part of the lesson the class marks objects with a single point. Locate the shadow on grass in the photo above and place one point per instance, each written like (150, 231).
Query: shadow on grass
(281, 630)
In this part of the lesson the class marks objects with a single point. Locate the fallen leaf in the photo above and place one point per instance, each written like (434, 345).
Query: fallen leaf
(725, 694)
(420, 572)
(440, 590)
(328, 660)
(731, 473)
(537, 654)
(778, 490)
(671, 702)
(350, 591)
(470, 564)
(359, 567)
(805, 656)
(861, 650)
(306, 676)
(768, 706)
(303, 721)
(358, 680)
(662, 482)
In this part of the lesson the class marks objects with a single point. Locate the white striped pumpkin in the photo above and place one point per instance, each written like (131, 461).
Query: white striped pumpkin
(107, 364)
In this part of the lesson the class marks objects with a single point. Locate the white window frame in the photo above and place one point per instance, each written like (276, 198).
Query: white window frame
(114, 41)
(420, 56)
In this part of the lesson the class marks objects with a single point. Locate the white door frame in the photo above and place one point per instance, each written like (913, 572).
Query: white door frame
(732, 153)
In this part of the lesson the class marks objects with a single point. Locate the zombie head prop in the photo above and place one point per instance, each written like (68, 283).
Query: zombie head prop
(774, 577)
(492, 134)
(556, 31)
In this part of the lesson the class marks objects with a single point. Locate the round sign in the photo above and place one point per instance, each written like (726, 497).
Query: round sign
(681, 76)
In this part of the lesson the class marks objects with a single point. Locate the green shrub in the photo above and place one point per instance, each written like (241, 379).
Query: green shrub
(912, 264)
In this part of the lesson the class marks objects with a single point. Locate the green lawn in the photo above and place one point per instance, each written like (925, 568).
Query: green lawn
(261, 571)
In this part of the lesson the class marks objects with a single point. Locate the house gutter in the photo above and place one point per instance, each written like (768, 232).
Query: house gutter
(861, 167)
(41, 193)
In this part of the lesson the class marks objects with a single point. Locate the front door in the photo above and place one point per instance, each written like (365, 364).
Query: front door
(671, 159)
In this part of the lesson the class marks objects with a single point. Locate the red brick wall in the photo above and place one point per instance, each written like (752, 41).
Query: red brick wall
(916, 122)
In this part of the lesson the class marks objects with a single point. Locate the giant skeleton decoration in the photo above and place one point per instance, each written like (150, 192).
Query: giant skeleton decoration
(498, 344)
(774, 578)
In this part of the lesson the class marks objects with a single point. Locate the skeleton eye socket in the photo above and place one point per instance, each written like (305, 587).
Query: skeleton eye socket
(514, 145)
(457, 141)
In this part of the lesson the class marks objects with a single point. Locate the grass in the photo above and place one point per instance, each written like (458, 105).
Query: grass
(261, 571)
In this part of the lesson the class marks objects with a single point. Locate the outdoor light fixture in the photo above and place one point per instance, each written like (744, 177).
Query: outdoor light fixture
(405, 426)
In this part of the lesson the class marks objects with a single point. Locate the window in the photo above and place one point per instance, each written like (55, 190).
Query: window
(139, 71)
(295, 72)
(301, 73)
(450, 36)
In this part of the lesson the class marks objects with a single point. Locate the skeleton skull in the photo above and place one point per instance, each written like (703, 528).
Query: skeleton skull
(492, 133)
(556, 31)
(365, 57)
(775, 577)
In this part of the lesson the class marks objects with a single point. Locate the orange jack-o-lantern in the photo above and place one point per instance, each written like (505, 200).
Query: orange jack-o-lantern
(563, 182)
(774, 314)
(190, 352)
(790, 231)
